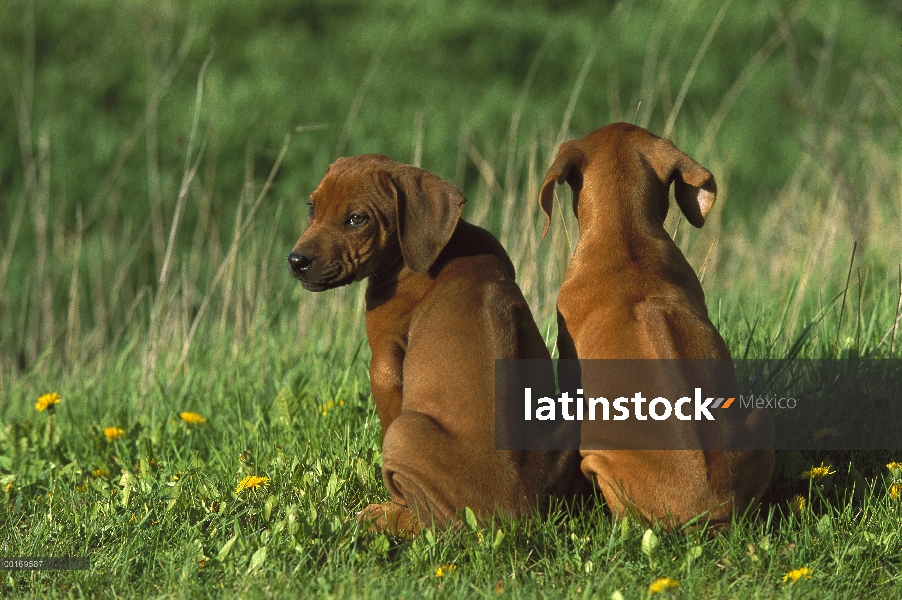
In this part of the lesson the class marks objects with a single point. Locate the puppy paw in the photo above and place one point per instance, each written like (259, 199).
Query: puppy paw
(390, 517)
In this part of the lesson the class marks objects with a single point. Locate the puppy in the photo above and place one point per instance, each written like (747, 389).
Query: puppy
(442, 306)
(629, 293)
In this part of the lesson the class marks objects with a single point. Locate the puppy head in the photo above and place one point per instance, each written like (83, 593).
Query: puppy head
(632, 162)
(367, 216)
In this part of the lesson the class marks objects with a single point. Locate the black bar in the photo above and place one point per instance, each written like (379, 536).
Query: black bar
(705, 404)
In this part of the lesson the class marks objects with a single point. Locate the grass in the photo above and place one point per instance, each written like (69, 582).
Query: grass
(142, 275)
(166, 519)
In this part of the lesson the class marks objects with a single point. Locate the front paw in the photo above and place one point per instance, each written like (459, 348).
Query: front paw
(390, 517)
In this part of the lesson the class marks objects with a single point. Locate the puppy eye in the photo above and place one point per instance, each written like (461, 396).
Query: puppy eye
(310, 209)
(357, 220)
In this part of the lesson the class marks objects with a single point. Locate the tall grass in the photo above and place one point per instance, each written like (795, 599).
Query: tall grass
(73, 289)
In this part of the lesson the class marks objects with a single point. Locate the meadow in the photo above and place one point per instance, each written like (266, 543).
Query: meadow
(215, 433)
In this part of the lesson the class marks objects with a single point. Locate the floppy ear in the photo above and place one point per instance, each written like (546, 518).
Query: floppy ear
(428, 210)
(693, 185)
(568, 156)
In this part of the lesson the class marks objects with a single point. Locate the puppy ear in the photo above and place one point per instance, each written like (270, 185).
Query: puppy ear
(428, 210)
(693, 185)
(568, 156)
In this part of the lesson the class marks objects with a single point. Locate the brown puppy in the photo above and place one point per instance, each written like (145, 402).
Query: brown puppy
(629, 293)
(442, 305)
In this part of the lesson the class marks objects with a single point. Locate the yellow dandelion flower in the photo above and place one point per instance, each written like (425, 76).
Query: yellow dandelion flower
(252, 482)
(895, 491)
(192, 418)
(113, 433)
(47, 401)
(662, 585)
(330, 406)
(797, 504)
(825, 432)
(797, 574)
(894, 466)
(97, 473)
(444, 570)
(818, 472)
(82, 488)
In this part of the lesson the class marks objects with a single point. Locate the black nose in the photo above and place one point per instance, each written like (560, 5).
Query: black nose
(298, 262)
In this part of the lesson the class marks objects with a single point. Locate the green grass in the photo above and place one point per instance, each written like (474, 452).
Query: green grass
(148, 200)
(160, 523)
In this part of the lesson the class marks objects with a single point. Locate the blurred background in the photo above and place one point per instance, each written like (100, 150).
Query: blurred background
(156, 157)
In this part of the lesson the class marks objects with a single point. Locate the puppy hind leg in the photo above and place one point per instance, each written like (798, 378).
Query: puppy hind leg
(436, 473)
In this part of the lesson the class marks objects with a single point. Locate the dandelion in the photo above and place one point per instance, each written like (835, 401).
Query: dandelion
(825, 432)
(662, 585)
(330, 405)
(113, 433)
(192, 418)
(445, 570)
(81, 489)
(98, 473)
(252, 482)
(818, 472)
(895, 491)
(47, 401)
(176, 476)
(797, 574)
(894, 466)
(797, 504)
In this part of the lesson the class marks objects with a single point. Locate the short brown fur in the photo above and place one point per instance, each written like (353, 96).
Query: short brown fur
(442, 305)
(629, 293)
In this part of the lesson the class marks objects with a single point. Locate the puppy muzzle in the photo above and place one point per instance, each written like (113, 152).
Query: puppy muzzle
(314, 274)
(299, 264)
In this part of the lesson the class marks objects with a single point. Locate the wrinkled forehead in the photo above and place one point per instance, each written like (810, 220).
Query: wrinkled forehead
(352, 176)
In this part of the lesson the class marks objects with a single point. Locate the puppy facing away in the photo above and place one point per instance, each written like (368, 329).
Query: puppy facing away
(629, 293)
(441, 306)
